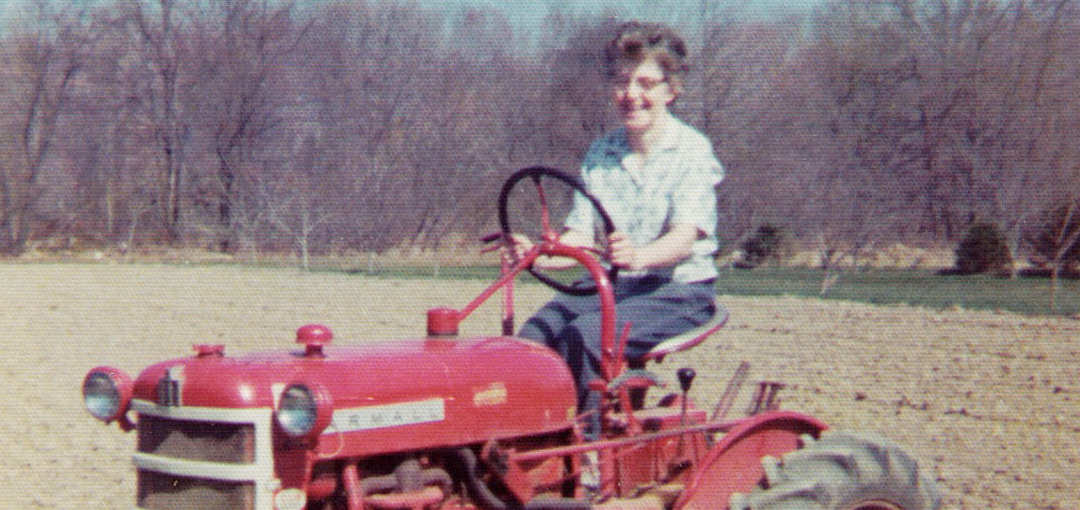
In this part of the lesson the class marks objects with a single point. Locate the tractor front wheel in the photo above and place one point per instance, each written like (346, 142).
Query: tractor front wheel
(842, 471)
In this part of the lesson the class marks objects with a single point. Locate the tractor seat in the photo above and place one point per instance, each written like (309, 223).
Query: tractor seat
(688, 339)
(677, 343)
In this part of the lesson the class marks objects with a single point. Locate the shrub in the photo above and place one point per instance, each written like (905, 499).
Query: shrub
(766, 244)
(1046, 239)
(983, 250)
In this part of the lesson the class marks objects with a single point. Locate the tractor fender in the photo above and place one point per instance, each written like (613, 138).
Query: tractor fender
(733, 464)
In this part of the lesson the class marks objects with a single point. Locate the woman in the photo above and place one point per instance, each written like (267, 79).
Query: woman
(656, 177)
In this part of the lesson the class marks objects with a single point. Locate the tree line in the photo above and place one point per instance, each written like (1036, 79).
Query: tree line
(242, 125)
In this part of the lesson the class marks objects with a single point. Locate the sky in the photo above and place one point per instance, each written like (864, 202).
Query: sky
(4, 10)
(529, 13)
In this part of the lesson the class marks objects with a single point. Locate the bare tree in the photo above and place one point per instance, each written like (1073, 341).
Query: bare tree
(1055, 243)
(845, 149)
(159, 26)
(238, 48)
(753, 110)
(296, 218)
(374, 97)
(1035, 141)
(394, 121)
(105, 134)
(578, 106)
(295, 199)
(41, 70)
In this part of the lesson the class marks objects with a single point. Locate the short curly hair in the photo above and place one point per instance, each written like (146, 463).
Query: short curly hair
(636, 42)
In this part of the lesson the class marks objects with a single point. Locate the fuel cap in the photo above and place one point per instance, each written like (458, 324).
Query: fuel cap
(314, 337)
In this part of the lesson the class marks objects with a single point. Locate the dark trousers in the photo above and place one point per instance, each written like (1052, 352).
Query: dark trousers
(656, 307)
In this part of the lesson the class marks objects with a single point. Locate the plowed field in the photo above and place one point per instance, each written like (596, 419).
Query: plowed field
(989, 403)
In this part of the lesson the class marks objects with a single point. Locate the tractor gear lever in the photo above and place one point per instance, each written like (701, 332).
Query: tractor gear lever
(686, 378)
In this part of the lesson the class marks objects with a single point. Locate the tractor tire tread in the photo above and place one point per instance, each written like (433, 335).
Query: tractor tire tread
(838, 471)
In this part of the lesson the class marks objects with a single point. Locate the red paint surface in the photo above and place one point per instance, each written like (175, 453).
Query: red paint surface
(492, 387)
(734, 463)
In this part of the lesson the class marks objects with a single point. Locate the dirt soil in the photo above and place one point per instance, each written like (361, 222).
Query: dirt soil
(989, 402)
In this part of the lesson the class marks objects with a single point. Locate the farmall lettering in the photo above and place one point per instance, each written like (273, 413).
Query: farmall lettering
(390, 415)
(446, 422)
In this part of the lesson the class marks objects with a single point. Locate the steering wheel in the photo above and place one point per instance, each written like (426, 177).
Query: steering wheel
(535, 173)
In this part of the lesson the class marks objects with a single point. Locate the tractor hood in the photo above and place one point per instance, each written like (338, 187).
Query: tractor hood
(469, 388)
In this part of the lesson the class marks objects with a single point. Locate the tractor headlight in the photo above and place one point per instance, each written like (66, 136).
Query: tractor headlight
(107, 393)
(304, 410)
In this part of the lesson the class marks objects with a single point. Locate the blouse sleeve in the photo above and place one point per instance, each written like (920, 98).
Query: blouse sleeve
(694, 199)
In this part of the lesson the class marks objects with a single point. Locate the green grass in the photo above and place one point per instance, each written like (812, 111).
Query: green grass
(1029, 296)
(490, 273)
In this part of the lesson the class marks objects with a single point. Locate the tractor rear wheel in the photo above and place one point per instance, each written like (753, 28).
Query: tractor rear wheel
(842, 471)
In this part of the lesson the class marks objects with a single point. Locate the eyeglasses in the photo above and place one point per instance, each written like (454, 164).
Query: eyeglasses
(645, 83)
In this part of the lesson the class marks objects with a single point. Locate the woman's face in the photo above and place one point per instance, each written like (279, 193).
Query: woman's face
(642, 94)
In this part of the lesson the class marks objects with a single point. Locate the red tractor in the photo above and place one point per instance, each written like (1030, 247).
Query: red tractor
(444, 422)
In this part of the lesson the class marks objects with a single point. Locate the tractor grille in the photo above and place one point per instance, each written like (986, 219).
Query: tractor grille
(157, 491)
(197, 440)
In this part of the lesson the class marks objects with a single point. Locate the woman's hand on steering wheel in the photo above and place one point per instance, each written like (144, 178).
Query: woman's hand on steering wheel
(518, 245)
(622, 252)
(514, 247)
(515, 243)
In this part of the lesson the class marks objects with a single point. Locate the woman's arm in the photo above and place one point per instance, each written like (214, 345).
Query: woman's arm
(667, 250)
